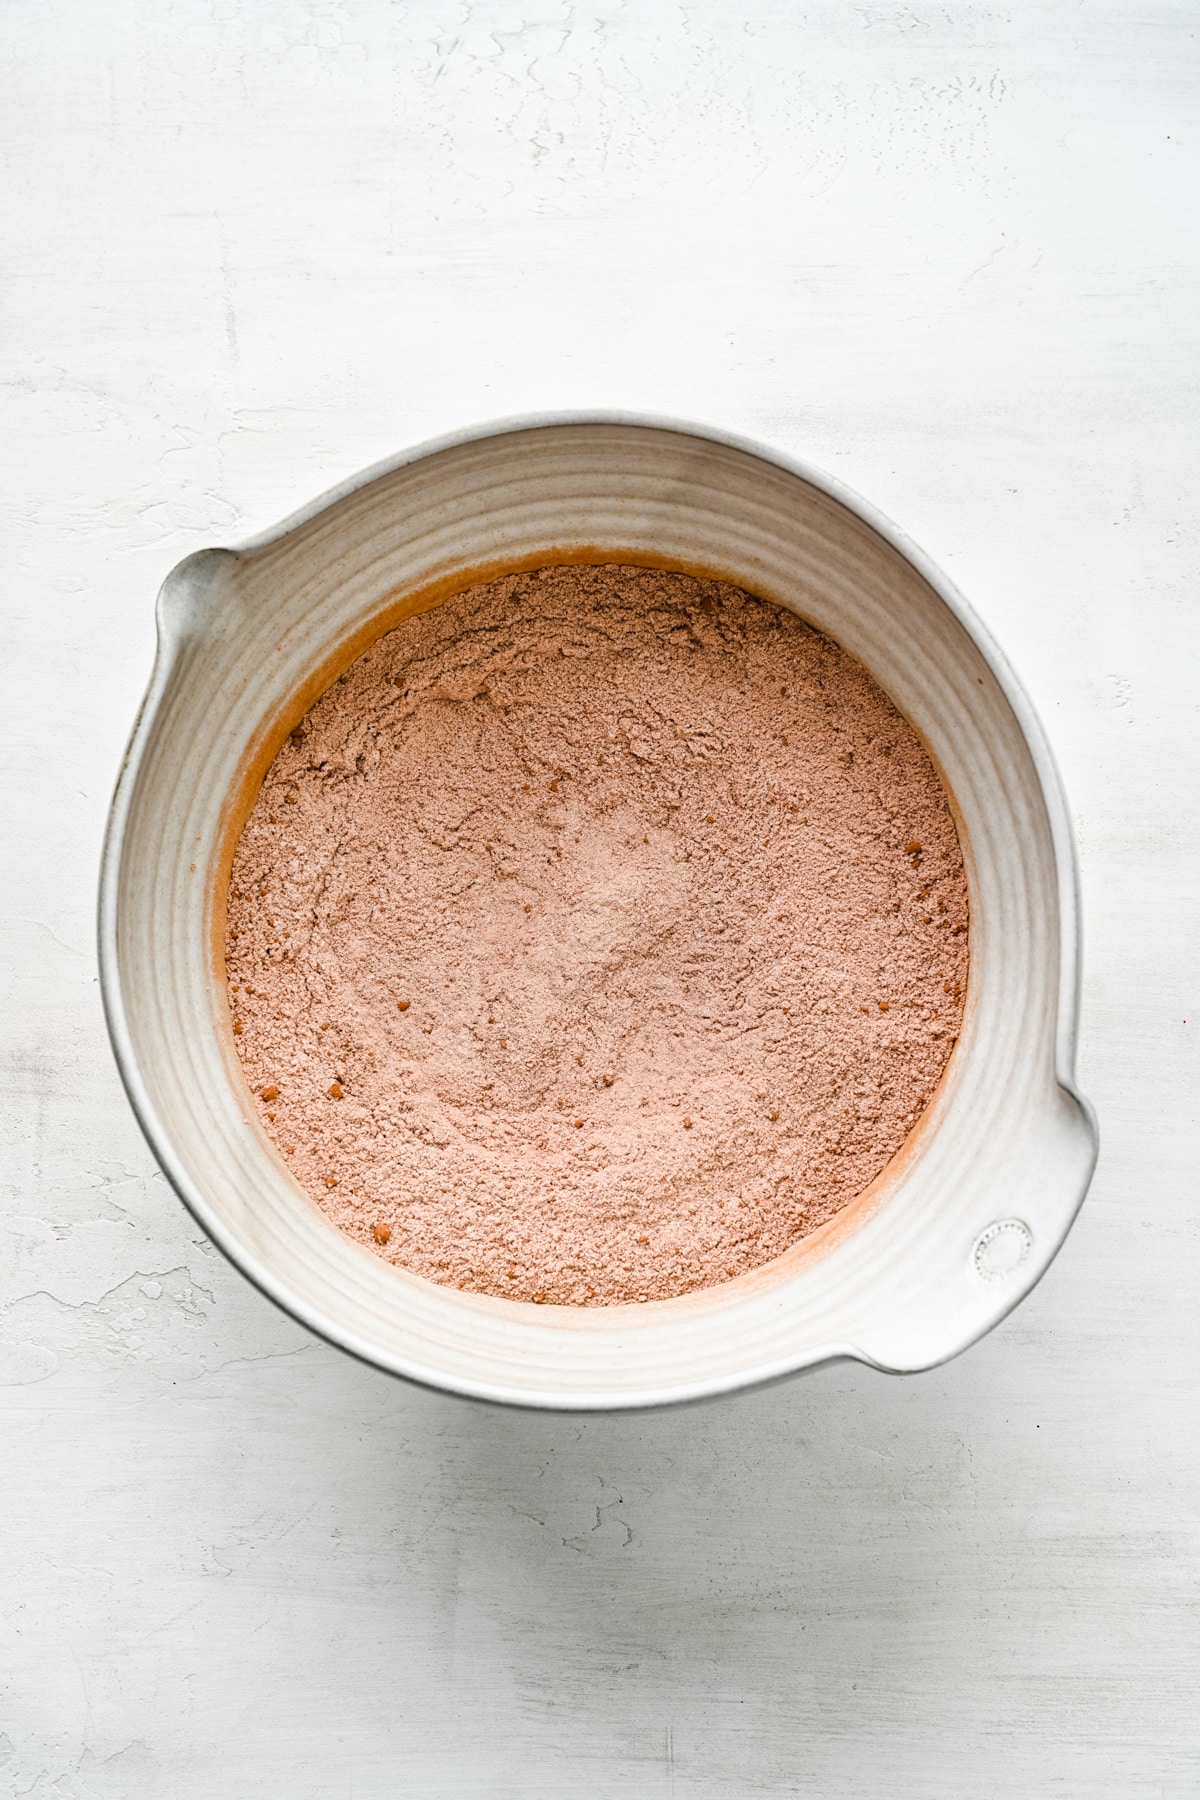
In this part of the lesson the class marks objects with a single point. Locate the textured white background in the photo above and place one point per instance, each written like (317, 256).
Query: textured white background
(948, 252)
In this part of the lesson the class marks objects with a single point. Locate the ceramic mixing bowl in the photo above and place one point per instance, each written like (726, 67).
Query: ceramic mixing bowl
(963, 1220)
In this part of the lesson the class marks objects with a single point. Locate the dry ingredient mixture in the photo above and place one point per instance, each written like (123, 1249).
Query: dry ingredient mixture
(597, 935)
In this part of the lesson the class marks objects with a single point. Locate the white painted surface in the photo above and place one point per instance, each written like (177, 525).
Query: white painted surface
(947, 253)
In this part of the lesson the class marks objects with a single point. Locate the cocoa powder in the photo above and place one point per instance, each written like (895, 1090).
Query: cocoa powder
(598, 935)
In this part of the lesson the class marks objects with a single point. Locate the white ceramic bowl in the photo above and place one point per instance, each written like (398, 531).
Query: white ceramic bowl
(966, 1217)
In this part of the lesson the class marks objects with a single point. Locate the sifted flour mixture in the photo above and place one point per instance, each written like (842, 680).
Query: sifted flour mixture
(598, 934)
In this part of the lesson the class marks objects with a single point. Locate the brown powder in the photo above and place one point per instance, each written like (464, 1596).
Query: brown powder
(600, 933)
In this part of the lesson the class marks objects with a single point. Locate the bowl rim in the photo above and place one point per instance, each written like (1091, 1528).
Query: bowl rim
(1028, 720)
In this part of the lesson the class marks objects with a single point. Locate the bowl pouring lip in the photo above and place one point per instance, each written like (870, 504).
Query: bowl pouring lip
(1066, 869)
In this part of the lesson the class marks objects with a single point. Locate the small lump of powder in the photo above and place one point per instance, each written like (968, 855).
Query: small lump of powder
(599, 934)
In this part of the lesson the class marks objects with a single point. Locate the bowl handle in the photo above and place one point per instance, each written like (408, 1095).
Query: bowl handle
(190, 599)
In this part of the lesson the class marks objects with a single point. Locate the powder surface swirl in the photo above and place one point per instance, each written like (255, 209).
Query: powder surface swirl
(598, 935)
